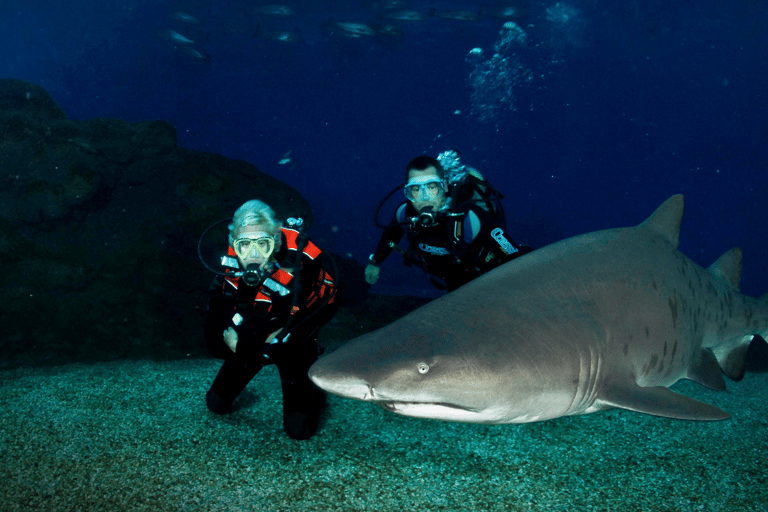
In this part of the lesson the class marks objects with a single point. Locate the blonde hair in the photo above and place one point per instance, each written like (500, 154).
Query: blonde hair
(255, 213)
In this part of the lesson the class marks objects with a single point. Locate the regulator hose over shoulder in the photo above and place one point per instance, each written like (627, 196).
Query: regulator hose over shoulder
(200, 250)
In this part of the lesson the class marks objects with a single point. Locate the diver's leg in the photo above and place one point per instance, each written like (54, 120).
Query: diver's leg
(302, 400)
(231, 380)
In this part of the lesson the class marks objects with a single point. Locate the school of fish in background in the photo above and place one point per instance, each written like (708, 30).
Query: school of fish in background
(390, 18)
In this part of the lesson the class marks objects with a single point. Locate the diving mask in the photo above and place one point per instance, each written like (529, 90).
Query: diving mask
(255, 246)
(423, 188)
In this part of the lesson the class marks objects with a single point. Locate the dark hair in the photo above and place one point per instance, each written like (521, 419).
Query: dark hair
(423, 162)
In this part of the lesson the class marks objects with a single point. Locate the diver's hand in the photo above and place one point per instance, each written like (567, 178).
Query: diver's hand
(267, 348)
(272, 336)
(371, 274)
(230, 338)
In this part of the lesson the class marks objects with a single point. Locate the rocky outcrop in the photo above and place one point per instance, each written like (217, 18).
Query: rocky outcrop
(99, 227)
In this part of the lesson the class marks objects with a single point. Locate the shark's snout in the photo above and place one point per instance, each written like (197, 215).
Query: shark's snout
(329, 378)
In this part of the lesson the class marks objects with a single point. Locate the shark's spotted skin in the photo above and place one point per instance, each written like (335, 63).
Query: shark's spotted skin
(606, 319)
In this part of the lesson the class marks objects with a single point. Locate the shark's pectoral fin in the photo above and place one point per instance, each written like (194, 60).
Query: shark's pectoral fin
(659, 401)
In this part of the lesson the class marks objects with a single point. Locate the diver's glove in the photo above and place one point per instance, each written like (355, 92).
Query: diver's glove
(276, 338)
(238, 340)
(241, 339)
(230, 338)
(230, 334)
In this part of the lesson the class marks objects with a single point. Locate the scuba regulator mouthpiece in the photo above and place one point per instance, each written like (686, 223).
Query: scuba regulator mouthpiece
(427, 218)
(254, 275)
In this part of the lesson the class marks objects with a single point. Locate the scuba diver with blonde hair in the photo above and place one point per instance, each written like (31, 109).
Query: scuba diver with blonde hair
(453, 221)
(267, 308)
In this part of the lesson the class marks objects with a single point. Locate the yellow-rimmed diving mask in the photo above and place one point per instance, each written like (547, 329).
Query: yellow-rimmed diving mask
(255, 245)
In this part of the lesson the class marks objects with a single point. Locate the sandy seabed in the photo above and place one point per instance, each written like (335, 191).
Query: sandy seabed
(136, 435)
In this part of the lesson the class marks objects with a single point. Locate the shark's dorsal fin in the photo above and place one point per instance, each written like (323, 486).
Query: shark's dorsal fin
(666, 219)
(728, 268)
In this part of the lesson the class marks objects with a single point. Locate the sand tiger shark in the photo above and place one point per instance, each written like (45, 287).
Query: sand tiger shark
(601, 320)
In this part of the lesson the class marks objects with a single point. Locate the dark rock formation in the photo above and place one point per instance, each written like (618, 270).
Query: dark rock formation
(99, 225)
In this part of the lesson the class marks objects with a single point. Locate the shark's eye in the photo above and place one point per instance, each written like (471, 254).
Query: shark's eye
(422, 367)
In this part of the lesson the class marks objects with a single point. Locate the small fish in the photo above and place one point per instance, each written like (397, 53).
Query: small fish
(283, 36)
(394, 4)
(348, 29)
(275, 10)
(189, 50)
(178, 38)
(286, 158)
(186, 18)
(387, 30)
(456, 15)
(406, 15)
(518, 10)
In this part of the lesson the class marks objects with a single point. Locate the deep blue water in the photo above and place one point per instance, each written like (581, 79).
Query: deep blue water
(597, 115)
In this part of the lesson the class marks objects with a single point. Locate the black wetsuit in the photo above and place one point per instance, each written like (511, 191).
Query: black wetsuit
(468, 241)
(264, 310)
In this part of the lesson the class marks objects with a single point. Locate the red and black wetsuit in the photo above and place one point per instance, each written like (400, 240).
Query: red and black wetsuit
(270, 307)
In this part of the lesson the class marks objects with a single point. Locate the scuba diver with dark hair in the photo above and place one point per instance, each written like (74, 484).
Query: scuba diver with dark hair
(267, 308)
(454, 223)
